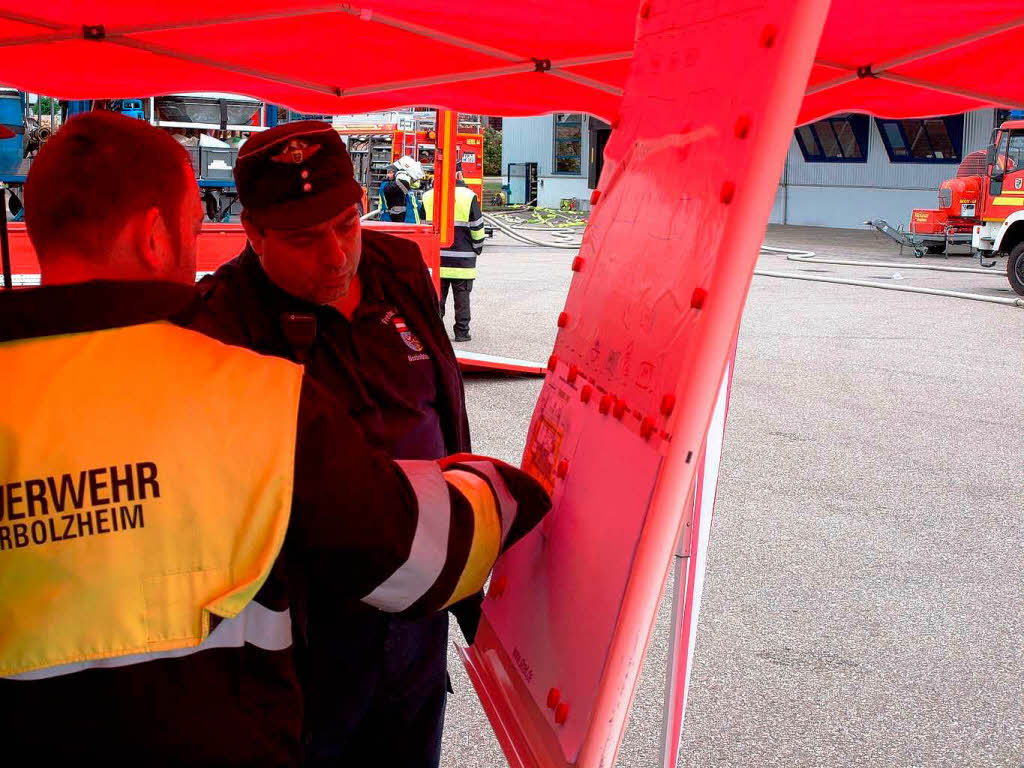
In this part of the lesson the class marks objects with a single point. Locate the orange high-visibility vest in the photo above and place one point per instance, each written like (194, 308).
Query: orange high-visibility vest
(145, 487)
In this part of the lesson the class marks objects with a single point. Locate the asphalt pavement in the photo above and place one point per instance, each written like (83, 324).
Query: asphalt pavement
(864, 603)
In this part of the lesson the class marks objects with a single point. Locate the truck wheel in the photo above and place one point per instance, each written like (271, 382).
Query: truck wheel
(1015, 268)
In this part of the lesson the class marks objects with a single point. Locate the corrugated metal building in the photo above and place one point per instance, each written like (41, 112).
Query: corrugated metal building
(846, 194)
(839, 172)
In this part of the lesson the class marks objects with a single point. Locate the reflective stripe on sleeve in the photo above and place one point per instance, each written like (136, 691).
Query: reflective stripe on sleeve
(429, 546)
(256, 625)
(486, 542)
(507, 505)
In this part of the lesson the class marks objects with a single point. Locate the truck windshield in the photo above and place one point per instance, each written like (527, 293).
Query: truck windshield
(1015, 152)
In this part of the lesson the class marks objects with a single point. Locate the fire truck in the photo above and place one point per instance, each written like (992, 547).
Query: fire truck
(378, 139)
(985, 202)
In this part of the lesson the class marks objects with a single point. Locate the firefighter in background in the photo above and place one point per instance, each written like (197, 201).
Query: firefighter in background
(161, 489)
(359, 309)
(458, 261)
(397, 201)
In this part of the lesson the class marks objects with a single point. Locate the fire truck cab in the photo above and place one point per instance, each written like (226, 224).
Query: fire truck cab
(999, 229)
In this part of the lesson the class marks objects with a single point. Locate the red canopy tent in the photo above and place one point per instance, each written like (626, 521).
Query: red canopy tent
(703, 97)
(906, 58)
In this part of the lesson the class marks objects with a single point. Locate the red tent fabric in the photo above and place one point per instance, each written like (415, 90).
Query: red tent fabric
(528, 57)
(513, 59)
(911, 58)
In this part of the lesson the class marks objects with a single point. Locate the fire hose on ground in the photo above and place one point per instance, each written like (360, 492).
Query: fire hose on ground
(812, 258)
(807, 257)
(516, 234)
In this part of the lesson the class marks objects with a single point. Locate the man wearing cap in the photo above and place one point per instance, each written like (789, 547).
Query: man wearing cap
(357, 307)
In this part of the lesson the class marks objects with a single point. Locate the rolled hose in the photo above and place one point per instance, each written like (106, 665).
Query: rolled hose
(811, 257)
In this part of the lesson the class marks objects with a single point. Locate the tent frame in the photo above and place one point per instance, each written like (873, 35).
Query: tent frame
(883, 71)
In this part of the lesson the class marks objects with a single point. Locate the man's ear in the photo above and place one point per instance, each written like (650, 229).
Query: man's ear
(254, 233)
(153, 241)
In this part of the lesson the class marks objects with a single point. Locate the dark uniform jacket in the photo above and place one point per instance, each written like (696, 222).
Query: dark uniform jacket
(239, 292)
(255, 313)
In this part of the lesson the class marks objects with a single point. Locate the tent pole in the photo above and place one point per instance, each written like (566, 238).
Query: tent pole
(586, 81)
(433, 34)
(5, 244)
(949, 45)
(481, 74)
(129, 42)
(952, 90)
(881, 70)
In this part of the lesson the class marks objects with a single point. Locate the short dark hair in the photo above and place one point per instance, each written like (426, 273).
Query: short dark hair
(98, 170)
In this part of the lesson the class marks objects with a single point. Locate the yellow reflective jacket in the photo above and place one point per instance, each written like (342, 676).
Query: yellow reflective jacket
(127, 524)
(458, 261)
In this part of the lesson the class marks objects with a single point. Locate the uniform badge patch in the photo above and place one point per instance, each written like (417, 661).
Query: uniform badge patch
(408, 336)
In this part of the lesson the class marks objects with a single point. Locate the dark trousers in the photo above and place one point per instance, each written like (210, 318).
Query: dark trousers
(460, 289)
(376, 695)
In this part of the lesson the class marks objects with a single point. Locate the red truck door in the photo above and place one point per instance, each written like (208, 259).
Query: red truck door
(1006, 186)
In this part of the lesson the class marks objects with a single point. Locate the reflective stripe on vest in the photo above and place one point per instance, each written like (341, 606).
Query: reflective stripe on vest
(146, 475)
(458, 265)
(256, 625)
(458, 273)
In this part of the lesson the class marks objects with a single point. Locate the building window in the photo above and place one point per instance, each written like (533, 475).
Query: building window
(567, 154)
(931, 140)
(839, 139)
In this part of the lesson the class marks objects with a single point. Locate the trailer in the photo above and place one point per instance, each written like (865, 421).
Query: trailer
(936, 240)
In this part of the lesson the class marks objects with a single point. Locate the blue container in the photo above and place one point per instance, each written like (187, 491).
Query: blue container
(12, 116)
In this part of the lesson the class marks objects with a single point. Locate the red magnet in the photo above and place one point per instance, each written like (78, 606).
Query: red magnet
(595, 196)
(605, 404)
(742, 127)
(728, 190)
(697, 299)
(574, 372)
(563, 468)
(668, 402)
(561, 713)
(554, 696)
(563, 319)
(620, 409)
(647, 427)
(577, 264)
(552, 362)
(586, 392)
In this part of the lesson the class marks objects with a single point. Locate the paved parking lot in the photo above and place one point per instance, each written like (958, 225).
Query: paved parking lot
(864, 602)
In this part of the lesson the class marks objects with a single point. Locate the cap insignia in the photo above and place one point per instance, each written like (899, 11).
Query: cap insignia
(296, 152)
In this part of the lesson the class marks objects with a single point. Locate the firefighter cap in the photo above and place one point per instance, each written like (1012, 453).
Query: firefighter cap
(295, 175)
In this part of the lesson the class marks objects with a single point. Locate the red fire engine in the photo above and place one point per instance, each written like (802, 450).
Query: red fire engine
(985, 202)
(375, 141)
